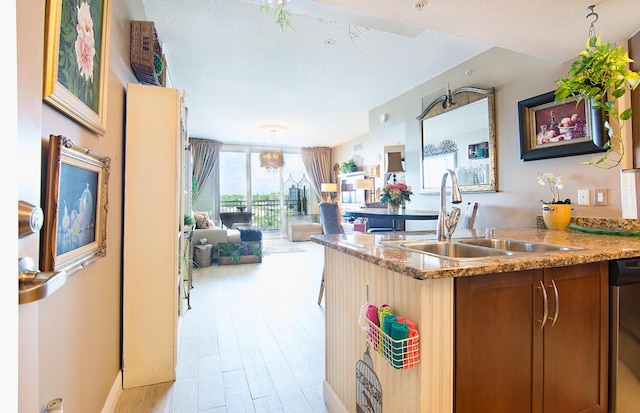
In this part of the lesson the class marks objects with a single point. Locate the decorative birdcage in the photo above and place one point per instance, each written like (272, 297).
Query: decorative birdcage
(368, 388)
(291, 186)
(303, 195)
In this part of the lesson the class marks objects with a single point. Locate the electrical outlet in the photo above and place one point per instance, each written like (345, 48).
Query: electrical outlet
(601, 197)
(584, 197)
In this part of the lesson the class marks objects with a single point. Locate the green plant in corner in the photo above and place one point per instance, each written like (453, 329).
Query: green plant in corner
(601, 74)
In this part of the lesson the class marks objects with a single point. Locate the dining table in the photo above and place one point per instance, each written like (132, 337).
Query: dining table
(399, 215)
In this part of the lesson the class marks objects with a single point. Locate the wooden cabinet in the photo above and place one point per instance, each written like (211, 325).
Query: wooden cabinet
(153, 196)
(509, 359)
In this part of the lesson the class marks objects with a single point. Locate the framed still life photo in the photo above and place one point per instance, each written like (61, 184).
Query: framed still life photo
(76, 60)
(550, 129)
(75, 207)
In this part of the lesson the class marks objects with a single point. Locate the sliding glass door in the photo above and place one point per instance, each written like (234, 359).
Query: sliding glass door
(274, 196)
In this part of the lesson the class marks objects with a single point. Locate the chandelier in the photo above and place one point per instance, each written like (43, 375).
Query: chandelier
(271, 161)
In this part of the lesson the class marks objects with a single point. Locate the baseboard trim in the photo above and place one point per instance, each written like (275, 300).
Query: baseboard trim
(331, 399)
(114, 395)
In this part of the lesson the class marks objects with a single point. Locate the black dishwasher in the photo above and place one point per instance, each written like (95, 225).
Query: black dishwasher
(624, 370)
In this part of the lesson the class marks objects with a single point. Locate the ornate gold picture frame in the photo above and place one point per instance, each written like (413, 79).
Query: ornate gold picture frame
(76, 61)
(74, 233)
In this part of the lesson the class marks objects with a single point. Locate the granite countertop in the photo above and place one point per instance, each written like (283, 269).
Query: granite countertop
(593, 248)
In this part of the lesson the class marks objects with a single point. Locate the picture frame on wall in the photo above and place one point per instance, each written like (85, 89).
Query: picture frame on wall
(76, 60)
(74, 231)
(550, 129)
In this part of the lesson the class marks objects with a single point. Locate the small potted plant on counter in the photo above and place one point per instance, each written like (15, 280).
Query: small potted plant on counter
(555, 213)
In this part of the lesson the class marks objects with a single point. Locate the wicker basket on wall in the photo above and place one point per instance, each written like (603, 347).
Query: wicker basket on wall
(144, 44)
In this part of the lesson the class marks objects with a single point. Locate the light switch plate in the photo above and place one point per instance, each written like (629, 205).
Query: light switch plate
(601, 197)
(584, 197)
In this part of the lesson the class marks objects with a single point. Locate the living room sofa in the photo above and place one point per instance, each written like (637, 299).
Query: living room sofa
(210, 230)
(215, 236)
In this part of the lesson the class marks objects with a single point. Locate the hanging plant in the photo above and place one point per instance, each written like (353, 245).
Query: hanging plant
(281, 16)
(601, 75)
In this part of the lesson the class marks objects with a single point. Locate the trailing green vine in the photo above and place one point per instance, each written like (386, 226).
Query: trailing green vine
(601, 74)
(281, 16)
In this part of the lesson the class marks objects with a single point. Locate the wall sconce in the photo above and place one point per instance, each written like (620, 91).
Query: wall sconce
(329, 188)
(394, 164)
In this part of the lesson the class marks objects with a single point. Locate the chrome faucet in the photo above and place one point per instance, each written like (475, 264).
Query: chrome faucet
(447, 221)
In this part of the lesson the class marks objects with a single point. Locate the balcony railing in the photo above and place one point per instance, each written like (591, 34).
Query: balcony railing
(266, 213)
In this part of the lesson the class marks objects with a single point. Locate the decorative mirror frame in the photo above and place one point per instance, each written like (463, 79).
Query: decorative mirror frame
(448, 103)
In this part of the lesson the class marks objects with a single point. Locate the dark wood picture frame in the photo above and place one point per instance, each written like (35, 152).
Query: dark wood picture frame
(584, 136)
(75, 207)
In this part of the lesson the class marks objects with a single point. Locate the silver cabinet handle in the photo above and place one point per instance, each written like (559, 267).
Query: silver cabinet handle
(557, 309)
(545, 300)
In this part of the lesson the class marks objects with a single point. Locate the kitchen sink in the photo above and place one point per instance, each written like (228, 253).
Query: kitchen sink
(477, 248)
(449, 250)
(516, 245)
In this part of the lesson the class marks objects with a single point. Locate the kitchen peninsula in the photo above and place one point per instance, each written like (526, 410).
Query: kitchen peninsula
(526, 332)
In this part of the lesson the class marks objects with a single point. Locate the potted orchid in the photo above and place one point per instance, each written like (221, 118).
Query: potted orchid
(556, 213)
(395, 194)
(555, 184)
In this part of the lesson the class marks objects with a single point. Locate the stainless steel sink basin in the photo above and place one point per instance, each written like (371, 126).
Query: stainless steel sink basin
(516, 245)
(450, 250)
(477, 248)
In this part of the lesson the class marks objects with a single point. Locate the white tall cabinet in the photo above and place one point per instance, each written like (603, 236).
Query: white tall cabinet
(153, 207)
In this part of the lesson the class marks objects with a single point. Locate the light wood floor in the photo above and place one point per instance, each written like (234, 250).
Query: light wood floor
(253, 341)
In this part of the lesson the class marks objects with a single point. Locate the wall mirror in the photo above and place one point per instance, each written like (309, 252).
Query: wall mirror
(458, 132)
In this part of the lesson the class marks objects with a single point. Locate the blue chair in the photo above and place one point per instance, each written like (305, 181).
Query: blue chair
(330, 219)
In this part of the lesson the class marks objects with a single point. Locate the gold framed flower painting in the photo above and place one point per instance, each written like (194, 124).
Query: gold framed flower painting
(76, 60)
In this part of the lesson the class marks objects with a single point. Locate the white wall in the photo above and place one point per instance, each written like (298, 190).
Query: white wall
(515, 77)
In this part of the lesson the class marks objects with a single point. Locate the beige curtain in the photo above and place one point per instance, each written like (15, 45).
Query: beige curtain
(317, 161)
(205, 154)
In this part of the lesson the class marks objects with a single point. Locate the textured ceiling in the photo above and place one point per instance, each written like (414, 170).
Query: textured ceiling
(240, 74)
